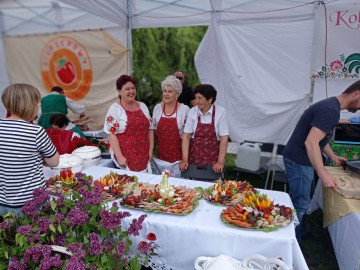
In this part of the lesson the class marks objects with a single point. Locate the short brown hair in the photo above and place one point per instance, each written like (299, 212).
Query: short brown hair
(123, 79)
(352, 88)
(21, 100)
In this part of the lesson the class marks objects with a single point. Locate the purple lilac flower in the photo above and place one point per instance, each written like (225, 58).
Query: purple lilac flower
(59, 240)
(115, 204)
(51, 261)
(111, 220)
(31, 207)
(77, 217)
(59, 217)
(144, 247)
(25, 230)
(44, 224)
(80, 205)
(107, 246)
(91, 198)
(60, 200)
(95, 246)
(136, 225)
(15, 264)
(121, 248)
(34, 237)
(35, 253)
(5, 224)
(75, 264)
(76, 249)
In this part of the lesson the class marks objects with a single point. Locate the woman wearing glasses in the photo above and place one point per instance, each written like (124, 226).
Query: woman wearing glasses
(169, 120)
(206, 132)
(127, 124)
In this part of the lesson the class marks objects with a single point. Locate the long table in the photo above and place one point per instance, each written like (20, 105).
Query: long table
(344, 232)
(202, 233)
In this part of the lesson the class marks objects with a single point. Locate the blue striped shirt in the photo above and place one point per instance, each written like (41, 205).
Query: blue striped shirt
(22, 148)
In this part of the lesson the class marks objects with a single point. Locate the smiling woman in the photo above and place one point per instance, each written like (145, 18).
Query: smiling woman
(127, 125)
(169, 120)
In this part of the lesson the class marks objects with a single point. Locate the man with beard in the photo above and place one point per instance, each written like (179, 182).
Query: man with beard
(303, 152)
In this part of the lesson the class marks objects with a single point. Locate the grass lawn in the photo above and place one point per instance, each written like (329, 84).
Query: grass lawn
(316, 245)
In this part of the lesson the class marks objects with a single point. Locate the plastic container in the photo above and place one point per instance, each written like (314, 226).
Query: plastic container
(248, 156)
(90, 155)
(74, 162)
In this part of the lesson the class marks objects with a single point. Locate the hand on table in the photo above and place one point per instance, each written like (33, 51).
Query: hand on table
(122, 161)
(183, 165)
(328, 181)
(218, 167)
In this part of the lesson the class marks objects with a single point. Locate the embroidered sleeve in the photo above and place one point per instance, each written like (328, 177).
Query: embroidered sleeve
(113, 125)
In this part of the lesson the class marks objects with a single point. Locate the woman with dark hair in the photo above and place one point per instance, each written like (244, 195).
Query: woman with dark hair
(206, 132)
(129, 129)
(60, 121)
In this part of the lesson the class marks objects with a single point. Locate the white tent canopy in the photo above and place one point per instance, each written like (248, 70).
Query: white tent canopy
(256, 53)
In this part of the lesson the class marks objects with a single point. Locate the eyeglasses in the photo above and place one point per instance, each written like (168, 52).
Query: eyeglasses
(179, 78)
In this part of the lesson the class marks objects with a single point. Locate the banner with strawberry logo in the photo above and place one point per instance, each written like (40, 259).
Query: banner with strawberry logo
(85, 64)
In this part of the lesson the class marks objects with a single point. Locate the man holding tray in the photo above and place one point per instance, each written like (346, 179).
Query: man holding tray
(303, 152)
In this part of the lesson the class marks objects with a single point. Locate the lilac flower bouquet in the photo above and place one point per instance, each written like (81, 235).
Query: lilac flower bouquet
(91, 232)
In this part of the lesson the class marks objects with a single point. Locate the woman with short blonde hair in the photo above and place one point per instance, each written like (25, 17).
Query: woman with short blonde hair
(23, 146)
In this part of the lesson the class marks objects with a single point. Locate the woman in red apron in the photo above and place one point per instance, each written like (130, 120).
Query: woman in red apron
(206, 132)
(127, 124)
(169, 120)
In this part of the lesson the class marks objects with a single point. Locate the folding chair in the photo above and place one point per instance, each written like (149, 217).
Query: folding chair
(278, 173)
(266, 149)
(201, 172)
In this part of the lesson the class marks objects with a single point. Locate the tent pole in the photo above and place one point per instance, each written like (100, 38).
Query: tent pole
(129, 38)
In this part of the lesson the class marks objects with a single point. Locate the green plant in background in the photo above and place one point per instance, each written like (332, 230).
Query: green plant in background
(90, 230)
(157, 52)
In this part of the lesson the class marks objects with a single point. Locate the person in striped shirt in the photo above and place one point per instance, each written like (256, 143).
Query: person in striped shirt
(23, 148)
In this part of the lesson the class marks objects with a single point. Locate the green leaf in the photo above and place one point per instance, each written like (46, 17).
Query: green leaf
(94, 210)
(20, 239)
(104, 259)
(134, 264)
(52, 228)
(53, 205)
(59, 228)
(52, 238)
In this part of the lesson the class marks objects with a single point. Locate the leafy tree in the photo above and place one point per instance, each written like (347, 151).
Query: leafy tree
(158, 52)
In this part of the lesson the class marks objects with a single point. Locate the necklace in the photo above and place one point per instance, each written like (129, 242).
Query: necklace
(172, 112)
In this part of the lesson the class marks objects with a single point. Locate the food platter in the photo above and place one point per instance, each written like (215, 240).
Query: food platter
(257, 212)
(227, 192)
(147, 197)
(114, 186)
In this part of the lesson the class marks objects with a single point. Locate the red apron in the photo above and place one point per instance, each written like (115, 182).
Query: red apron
(204, 147)
(169, 140)
(134, 141)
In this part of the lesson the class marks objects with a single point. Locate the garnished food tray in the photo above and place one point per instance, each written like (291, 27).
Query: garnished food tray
(227, 192)
(115, 186)
(259, 213)
(147, 197)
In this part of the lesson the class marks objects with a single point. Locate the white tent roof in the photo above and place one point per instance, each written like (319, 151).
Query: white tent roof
(246, 20)
(20, 17)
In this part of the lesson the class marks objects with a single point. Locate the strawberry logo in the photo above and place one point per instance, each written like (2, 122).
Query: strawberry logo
(65, 71)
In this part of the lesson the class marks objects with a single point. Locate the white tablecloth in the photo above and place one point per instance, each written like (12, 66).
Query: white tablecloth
(202, 233)
(344, 233)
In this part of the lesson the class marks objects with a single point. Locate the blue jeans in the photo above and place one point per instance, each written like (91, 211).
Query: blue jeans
(300, 181)
(4, 210)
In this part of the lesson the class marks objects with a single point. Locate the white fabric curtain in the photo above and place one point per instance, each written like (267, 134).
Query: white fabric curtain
(4, 81)
(261, 70)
